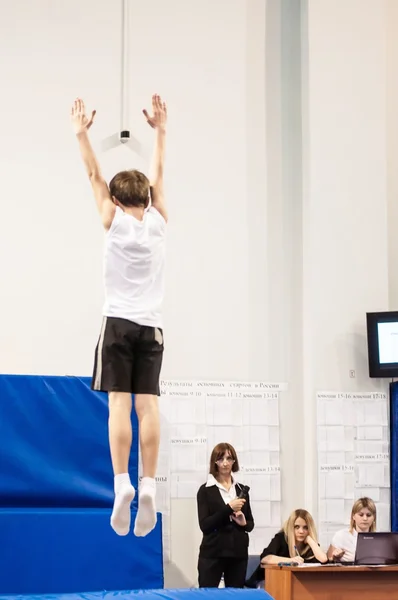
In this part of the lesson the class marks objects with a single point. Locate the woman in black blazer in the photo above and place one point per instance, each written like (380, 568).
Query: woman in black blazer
(225, 518)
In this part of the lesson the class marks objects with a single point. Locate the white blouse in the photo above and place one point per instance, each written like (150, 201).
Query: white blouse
(347, 541)
(226, 495)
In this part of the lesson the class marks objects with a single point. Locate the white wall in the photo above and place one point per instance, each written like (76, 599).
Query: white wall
(50, 235)
(53, 57)
(194, 54)
(345, 256)
(277, 181)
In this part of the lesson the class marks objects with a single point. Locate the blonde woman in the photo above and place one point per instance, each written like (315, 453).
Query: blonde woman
(296, 542)
(344, 542)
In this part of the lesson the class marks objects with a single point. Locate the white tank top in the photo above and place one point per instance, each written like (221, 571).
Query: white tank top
(134, 267)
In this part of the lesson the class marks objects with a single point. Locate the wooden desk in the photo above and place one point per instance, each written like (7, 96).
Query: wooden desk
(331, 583)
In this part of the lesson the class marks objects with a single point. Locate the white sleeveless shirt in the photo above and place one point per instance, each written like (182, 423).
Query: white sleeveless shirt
(134, 263)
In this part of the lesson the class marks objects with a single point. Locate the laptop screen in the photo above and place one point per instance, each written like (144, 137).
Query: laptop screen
(377, 549)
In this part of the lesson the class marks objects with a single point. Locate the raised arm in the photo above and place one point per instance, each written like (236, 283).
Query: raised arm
(319, 554)
(81, 124)
(158, 122)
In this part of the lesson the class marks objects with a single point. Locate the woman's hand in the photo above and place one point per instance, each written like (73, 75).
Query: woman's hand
(236, 504)
(319, 554)
(239, 518)
(337, 553)
(309, 541)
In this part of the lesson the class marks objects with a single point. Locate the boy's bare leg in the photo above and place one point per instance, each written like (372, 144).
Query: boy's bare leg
(147, 410)
(120, 439)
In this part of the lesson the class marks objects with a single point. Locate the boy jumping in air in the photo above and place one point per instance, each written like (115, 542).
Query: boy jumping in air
(129, 352)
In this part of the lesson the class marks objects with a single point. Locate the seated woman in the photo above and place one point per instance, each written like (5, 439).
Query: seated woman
(344, 542)
(297, 542)
(225, 518)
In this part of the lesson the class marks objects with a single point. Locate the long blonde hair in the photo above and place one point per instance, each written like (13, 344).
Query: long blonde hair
(359, 505)
(288, 529)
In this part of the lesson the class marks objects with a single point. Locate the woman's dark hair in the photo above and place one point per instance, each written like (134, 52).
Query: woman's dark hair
(218, 453)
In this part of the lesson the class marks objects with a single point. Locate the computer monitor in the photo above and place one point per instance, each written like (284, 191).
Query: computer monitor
(382, 330)
(379, 548)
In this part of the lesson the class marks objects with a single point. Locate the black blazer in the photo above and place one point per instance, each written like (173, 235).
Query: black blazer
(222, 537)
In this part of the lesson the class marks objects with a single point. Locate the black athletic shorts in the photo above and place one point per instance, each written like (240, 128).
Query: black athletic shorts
(128, 358)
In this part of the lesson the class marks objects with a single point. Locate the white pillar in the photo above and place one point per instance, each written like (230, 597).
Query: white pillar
(345, 203)
(392, 150)
(275, 221)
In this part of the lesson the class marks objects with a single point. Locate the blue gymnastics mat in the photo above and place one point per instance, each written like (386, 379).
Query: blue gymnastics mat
(394, 454)
(56, 494)
(51, 551)
(190, 594)
(54, 443)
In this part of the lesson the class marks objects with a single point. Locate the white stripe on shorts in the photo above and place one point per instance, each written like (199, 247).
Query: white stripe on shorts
(98, 370)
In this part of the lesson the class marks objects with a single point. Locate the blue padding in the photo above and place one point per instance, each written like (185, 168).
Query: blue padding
(75, 550)
(54, 443)
(394, 454)
(191, 594)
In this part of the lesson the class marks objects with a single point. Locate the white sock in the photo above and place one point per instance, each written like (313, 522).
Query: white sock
(124, 495)
(146, 515)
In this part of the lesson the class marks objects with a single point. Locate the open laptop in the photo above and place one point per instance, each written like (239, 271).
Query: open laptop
(378, 548)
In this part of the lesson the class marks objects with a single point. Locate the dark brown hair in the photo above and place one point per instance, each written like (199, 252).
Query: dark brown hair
(218, 452)
(130, 188)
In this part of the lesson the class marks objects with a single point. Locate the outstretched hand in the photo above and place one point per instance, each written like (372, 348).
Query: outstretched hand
(158, 119)
(78, 116)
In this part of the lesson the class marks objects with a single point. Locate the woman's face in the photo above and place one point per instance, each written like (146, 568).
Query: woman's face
(300, 530)
(225, 464)
(363, 520)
